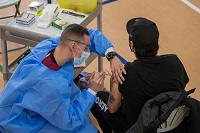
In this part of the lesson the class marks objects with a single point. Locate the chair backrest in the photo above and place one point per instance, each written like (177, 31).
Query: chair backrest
(175, 118)
(8, 3)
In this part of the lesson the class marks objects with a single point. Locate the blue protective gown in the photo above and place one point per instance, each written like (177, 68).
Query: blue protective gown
(37, 99)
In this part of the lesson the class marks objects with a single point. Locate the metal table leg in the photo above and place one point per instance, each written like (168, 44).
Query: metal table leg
(5, 60)
(99, 27)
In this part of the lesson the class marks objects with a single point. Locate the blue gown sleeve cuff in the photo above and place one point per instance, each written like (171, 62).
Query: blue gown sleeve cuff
(92, 92)
(109, 50)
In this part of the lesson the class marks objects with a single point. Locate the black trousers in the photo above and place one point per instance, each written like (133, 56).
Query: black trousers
(108, 121)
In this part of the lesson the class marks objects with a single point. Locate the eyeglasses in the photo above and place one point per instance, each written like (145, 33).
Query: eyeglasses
(79, 42)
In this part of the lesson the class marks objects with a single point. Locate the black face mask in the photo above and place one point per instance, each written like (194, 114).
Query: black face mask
(130, 39)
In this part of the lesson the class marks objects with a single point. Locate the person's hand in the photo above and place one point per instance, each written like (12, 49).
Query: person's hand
(117, 68)
(97, 81)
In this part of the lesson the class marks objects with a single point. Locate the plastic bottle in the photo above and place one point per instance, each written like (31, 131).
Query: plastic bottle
(84, 6)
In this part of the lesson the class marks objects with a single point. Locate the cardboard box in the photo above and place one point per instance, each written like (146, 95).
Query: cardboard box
(59, 23)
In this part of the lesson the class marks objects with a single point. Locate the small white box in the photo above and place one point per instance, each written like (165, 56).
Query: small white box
(52, 9)
(35, 7)
(48, 15)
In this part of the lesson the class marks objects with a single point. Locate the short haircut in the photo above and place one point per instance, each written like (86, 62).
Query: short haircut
(73, 31)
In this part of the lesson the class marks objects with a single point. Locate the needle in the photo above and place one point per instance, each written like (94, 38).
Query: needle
(106, 72)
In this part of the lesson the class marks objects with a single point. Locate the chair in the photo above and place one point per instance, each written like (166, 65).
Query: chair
(8, 3)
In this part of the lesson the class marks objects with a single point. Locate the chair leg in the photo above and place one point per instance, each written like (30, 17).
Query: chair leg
(7, 17)
(17, 48)
(14, 49)
(17, 12)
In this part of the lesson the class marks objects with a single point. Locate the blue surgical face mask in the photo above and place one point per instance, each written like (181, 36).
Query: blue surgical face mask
(83, 58)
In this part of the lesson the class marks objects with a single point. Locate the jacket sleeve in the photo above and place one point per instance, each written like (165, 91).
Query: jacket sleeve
(99, 43)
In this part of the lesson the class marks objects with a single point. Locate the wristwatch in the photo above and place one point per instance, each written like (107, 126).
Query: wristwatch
(111, 55)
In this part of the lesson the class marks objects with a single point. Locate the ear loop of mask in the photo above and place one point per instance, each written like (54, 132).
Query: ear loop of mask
(73, 53)
(131, 38)
(79, 48)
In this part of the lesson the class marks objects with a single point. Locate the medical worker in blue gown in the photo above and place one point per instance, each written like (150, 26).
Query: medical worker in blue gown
(41, 95)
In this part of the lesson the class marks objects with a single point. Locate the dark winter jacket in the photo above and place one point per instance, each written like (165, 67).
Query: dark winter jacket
(157, 110)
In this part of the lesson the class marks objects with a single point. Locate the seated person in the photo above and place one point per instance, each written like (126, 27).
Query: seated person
(147, 76)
